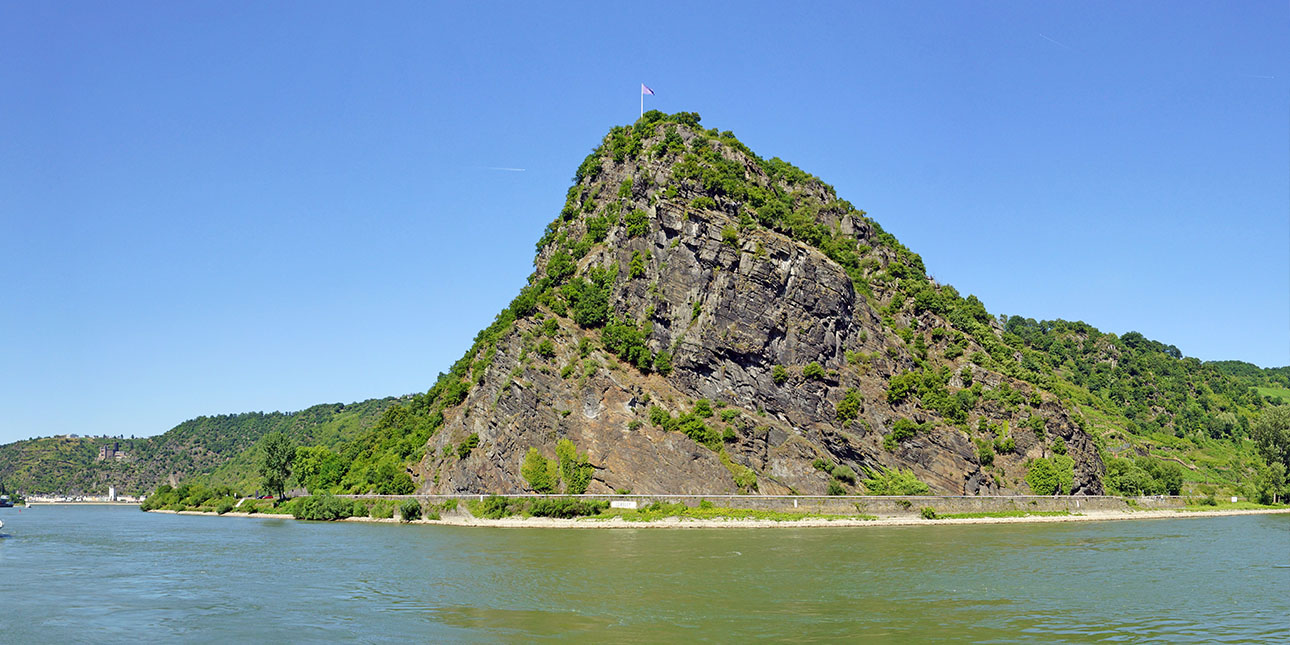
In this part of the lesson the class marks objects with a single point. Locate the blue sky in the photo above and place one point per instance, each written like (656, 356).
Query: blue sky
(211, 208)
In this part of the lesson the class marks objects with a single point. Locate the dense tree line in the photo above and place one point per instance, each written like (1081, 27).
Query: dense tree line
(1152, 384)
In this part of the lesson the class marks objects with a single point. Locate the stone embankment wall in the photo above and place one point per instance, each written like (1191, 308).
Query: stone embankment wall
(866, 505)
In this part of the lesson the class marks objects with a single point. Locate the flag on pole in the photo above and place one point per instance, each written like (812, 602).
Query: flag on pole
(645, 90)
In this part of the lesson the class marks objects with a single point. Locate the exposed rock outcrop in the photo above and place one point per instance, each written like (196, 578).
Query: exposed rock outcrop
(745, 288)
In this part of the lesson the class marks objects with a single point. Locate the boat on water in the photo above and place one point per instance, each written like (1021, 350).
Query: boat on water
(4, 502)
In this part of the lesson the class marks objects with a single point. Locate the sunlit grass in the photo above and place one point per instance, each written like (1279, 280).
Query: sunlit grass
(1275, 392)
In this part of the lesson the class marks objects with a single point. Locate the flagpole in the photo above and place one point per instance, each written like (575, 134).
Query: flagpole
(644, 90)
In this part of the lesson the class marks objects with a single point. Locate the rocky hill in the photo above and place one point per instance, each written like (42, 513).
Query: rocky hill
(702, 320)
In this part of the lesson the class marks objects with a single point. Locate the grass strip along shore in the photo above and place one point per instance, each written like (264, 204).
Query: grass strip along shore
(518, 511)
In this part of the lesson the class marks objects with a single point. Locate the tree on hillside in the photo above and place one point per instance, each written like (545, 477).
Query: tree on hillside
(1051, 476)
(1272, 436)
(276, 454)
(1270, 484)
(317, 468)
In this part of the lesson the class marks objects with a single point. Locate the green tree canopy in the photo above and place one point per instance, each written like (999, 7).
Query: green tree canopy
(1271, 433)
(894, 481)
(539, 472)
(1051, 476)
(1270, 484)
(318, 468)
(277, 452)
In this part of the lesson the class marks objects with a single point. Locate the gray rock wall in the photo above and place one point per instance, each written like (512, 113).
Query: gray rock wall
(730, 308)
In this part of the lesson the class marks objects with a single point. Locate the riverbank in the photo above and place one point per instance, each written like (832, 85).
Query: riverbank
(465, 519)
(37, 502)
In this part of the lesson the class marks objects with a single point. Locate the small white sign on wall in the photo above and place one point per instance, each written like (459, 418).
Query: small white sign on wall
(622, 504)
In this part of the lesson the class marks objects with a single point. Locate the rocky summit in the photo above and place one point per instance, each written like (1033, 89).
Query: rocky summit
(704, 321)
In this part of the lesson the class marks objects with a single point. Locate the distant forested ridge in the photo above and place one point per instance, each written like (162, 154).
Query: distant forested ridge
(1152, 385)
(1148, 402)
(201, 447)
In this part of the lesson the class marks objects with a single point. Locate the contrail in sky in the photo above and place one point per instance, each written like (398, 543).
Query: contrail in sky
(1059, 44)
(504, 168)
(1258, 76)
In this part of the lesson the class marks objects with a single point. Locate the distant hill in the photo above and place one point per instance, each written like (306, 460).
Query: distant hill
(193, 448)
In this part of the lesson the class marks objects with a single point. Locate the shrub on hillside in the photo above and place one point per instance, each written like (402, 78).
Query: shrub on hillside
(704, 202)
(901, 430)
(468, 445)
(660, 417)
(894, 481)
(703, 408)
(545, 349)
(984, 452)
(637, 222)
(1004, 445)
(626, 340)
(663, 363)
(575, 469)
(842, 473)
(1051, 476)
(539, 472)
(901, 386)
(849, 407)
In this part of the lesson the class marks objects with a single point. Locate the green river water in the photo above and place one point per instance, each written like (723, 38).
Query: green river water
(96, 574)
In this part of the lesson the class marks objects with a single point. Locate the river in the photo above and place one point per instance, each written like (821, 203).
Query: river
(96, 574)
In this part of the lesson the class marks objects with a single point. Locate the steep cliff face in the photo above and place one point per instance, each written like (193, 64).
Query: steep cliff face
(705, 321)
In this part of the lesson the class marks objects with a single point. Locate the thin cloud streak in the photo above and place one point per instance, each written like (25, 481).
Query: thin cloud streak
(1059, 44)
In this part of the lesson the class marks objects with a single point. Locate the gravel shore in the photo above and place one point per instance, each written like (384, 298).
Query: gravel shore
(463, 519)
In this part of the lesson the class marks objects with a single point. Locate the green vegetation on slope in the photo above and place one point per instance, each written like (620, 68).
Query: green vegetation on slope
(1139, 396)
(219, 449)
